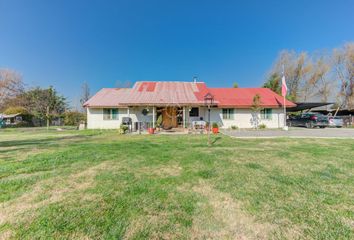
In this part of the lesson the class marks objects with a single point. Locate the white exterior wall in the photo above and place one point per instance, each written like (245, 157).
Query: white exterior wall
(95, 117)
(242, 117)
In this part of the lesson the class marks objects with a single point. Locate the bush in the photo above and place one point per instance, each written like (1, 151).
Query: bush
(159, 121)
(234, 127)
(73, 118)
(262, 126)
(215, 125)
(123, 129)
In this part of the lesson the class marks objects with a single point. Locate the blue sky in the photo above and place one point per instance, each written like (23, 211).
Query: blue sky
(65, 42)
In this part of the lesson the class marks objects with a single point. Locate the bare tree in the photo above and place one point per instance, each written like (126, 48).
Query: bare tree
(85, 95)
(297, 67)
(343, 64)
(11, 85)
(317, 85)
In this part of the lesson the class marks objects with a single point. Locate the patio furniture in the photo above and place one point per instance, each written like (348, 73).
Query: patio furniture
(198, 124)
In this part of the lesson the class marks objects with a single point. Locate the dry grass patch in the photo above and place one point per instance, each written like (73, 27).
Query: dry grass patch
(5, 235)
(221, 217)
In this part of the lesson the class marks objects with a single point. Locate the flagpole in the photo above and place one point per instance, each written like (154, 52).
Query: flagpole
(285, 127)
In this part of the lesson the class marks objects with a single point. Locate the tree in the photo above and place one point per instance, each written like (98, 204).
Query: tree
(318, 85)
(343, 64)
(235, 85)
(44, 104)
(296, 68)
(85, 95)
(273, 83)
(256, 107)
(73, 118)
(15, 110)
(11, 85)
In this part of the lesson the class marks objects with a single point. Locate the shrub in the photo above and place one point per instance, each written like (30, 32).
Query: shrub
(19, 125)
(215, 125)
(159, 121)
(73, 118)
(262, 126)
(123, 128)
(234, 127)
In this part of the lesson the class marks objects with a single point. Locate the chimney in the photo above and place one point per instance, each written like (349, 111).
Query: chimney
(195, 79)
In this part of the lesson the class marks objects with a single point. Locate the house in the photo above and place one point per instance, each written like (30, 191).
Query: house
(181, 104)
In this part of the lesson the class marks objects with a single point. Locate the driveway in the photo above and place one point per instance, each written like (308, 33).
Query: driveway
(293, 132)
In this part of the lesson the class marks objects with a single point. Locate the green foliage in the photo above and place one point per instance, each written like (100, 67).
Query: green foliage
(215, 125)
(234, 127)
(159, 121)
(273, 83)
(73, 118)
(235, 85)
(15, 110)
(123, 128)
(262, 126)
(20, 125)
(39, 102)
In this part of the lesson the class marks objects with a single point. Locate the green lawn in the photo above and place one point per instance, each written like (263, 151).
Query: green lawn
(101, 185)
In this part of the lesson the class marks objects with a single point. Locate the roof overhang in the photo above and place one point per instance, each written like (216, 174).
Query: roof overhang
(300, 106)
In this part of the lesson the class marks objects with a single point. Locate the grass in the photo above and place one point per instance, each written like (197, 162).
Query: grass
(101, 185)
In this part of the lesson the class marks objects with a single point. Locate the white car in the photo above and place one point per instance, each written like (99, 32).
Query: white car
(335, 122)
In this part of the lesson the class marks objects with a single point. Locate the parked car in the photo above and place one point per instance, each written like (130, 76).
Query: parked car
(335, 122)
(309, 120)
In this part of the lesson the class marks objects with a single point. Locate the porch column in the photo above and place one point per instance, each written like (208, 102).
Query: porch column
(153, 117)
(184, 117)
(128, 112)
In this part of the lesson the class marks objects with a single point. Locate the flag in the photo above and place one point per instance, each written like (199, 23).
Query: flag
(284, 88)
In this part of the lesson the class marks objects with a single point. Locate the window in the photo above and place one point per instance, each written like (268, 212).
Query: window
(228, 113)
(110, 113)
(194, 112)
(266, 113)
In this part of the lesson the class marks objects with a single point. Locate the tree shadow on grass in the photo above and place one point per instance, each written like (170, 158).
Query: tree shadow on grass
(215, 140)
(42, 141)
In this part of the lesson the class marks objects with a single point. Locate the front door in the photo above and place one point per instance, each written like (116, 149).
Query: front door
(169, 117)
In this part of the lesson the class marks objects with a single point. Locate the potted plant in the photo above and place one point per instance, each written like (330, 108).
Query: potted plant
(159, 122)
(215, 128)
(151, 129)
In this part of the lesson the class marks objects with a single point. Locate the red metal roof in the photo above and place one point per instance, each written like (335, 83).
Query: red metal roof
(243, 97)
(182, 93)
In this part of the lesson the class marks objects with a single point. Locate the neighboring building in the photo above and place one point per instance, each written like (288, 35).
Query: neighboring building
(182, 103)
(11, 119)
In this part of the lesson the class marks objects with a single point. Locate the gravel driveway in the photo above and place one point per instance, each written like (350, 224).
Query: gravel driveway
(293, 132)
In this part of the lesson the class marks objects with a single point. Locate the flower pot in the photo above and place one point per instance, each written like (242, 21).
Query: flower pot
(151, 130)
(215, 130)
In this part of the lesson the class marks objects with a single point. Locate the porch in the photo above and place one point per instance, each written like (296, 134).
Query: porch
(169, 118)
